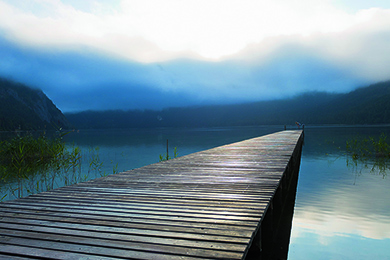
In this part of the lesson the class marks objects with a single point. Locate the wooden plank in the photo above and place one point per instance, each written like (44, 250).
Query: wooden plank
(154, 202)
(34, 248)
(235, 231)
(226, 215)
(254, 205)
(109, 248)
(14, 251)
(108, 234)
(139, 207)
(3, 256)
(247, 221)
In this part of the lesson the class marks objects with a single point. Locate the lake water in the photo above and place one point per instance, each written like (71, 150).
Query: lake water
(341, 212)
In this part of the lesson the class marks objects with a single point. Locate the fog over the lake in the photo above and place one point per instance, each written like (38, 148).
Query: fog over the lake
(155, 54)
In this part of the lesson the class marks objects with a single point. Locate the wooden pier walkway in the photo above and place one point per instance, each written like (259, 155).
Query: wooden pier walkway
(220, 203)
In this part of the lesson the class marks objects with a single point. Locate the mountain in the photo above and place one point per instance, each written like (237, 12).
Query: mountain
(367, 105)
(25, 108)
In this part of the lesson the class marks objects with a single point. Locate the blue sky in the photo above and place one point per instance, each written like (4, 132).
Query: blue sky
(151, 54)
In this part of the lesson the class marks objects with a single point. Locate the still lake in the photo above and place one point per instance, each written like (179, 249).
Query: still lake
(341, 211)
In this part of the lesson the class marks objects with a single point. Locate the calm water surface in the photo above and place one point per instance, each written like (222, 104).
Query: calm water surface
(134, 148)
(341, 212)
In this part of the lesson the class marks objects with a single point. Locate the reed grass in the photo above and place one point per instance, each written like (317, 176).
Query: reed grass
(371, 153)
(30, 165)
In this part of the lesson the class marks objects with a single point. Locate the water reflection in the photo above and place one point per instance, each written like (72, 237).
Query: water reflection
(134, 148)
(340, 213)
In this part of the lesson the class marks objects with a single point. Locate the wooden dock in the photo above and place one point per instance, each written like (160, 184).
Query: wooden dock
(222, 203)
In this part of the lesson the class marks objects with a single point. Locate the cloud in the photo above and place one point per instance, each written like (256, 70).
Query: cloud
(153, 30)
(363, 48)
(154, 54)
(80, 80)
(94, 81)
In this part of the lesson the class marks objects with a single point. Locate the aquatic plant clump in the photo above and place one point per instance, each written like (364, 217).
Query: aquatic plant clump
(25, 156)
(370, 152)
(29, 150)
(369, 147)
(31, 165)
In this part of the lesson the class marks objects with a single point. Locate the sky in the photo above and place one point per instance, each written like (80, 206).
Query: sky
(153, 54)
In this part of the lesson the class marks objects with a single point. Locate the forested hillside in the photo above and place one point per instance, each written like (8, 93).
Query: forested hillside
(30, 109)
(27, 109)
(369, 105)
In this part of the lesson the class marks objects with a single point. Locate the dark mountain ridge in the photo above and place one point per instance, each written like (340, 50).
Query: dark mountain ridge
(367, 105)
(25, 108)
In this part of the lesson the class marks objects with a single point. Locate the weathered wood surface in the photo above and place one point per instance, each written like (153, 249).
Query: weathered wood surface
(206, 205)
